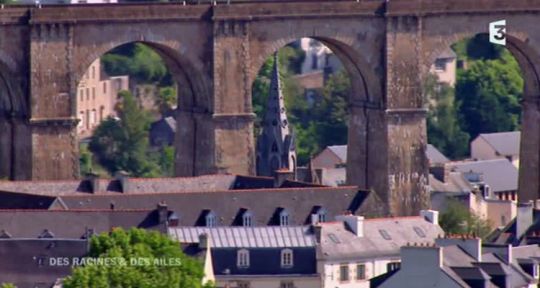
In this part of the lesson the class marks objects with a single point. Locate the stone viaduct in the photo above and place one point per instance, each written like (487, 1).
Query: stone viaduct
(215, 53)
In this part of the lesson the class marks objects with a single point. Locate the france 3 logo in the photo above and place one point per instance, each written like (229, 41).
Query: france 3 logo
(497, 32)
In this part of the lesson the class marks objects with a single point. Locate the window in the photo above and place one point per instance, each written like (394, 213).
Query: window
(392, 266)
(322, 215)
(93, 117)
(314, 61)
(242, 284)
(286, 284)
(81, 123)
(535, 271)
(87, 119)
(87, 93)
(344, 272)
(81, 93)
(242, 258)
(104, 87)
(385, 234)
(247, 219)
(93, 92)
(93, 72)
(101, 112)
(283, 218)
(440, 64)
(360, 271)
(286, 258)
(211, 219)
(419, 232)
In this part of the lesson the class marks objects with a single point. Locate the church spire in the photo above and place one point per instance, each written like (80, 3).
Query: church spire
(276, 145)
(275, 117)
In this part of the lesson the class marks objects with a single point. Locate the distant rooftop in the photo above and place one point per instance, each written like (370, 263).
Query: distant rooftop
(504, 143)
(499, 174)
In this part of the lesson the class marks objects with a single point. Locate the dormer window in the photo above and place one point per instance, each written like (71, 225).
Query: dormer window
(210, 219)
(321, 213)
(247, 219)
(286, 258)
(242, 258)
(284, 218)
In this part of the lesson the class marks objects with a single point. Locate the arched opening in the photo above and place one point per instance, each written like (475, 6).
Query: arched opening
(13, 129)
(130, 102)
(481, 118)
(314, 100)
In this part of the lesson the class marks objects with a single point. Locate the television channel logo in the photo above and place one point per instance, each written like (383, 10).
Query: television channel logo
(497, 32)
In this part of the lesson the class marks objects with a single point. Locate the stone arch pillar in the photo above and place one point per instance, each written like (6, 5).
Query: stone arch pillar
(405, 118)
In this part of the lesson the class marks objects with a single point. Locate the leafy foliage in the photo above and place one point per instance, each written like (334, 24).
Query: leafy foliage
(443, 127)
(489, 94)
(122, 144)
(457, 219)
(150, 247)
(138, 61)
(8, 285)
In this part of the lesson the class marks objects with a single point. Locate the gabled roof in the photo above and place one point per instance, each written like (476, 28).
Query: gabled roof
(226, 204)
(504, 143)
(499, 174)
(340, 151)
(435, 156)
(337, 242)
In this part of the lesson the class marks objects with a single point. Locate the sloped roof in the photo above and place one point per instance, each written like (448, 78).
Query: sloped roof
(435, 156)
(456, 183)
(72, 223)
(499, 174)
(247, 237)
(400, 229)
(504, 143)
(226, 205)
(340, 151)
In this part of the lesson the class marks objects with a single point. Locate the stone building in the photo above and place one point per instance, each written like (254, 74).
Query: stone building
(276, 144)
(96, 97)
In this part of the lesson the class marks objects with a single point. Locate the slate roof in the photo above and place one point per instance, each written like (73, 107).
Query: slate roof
(504, 143)
(507, 234)
(72, 223)
(300, 203)
(340, 151)
(247, 237)
(455, 183)
(499, 174)
(447, 53)
(12, 200)
(400, 229)
(435, 156)
(206, 183)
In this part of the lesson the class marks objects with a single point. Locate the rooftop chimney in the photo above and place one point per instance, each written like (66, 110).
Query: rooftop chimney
(355, 223)
(123, 178)
(163, 212)
(204, 241)
(421, 260)
(524, 218)
(281, 176)
(431, 216)
(92, 179)
(471, 245)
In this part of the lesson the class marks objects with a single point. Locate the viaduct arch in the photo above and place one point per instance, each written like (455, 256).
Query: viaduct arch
(215, 52)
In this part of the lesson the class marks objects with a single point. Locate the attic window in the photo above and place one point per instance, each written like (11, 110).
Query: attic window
(210, 219)
(283, 218)
(334, 238)
(385, 234)
(46, 234)
(322, 214)
(419, 232)
(247, 219)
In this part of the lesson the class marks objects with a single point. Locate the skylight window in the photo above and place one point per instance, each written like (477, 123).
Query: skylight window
(334, 238)
(385, 234)
(419, 232)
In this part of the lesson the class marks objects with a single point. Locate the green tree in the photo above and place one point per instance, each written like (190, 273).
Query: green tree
(8, 285)
(153, 247)
(488, 95)
(457, 219)
(123, 144)
(166, 100)
(443, 128)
